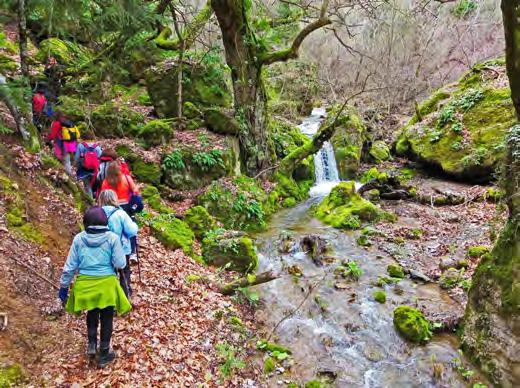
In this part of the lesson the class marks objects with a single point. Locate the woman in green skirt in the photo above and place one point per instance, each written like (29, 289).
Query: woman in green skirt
(95, 255)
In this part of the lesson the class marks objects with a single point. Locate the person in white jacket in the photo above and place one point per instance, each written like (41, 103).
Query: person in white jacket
(120, 223)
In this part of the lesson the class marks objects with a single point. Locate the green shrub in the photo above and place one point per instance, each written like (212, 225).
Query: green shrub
(174, 161)
(207, 160)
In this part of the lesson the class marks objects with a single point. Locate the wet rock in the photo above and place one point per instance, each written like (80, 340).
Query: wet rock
(412, 324)
(417, 275)
(315, 246)
(231, 248)
(373, 352)
(452, 262)
(286, 242)
(450, 278)
(395, 271)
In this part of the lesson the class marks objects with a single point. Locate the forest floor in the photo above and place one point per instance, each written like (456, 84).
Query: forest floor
(180, 328)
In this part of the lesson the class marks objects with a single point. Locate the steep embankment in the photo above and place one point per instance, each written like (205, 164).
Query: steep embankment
(181, 330)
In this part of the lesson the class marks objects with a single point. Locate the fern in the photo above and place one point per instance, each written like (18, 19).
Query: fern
(208, 160)
(174, 161)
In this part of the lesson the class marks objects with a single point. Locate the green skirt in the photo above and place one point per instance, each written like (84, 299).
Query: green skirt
(91, 292)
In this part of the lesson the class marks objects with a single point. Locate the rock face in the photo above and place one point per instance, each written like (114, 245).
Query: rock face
(344, 208)
(461, 128)
(231, 248)
(348, 140)
(205, 87)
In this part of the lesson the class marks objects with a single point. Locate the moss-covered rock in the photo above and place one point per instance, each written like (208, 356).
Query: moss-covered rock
(154, 132)
(463, 136)
(230, 249)
(450, 278)
(152, 198)
(173, 233)
(478, 251)
(395, 271)
(379, 296)
(144, 171)
(219, 121)
(348, 140)
(379, 151)
(412, 324)
(238, 203)
(112, 119)
(66, 52)
(11, 376)
(199, 220)
(269, 365)
(202, 86)
(344, 208)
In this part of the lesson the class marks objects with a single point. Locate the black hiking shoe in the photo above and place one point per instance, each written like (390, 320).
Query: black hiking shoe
(106, 356)
(91, 350)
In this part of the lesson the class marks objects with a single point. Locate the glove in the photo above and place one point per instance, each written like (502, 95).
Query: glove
(63, 294)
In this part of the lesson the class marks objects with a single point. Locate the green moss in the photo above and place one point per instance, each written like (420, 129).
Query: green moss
(313, 384)
(395, 271)
(199, 220)
(155, 132)
(229, 249)
(11, 376)
(269, 365)
(466, 138)
(191, 111)
(146, 172)
(384, 280)
(493, 194)
(289, 202)
(348, 140)
(344, 208)
(380, 151)
(66, 52)
(221, 122)
(112, 119)
(272, 347)
(450, 278)
(379, 296)
(173, 233)
(412, 324)
(152, 197)
(477, 251)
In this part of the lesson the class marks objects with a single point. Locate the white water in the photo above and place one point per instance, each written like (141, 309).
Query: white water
(324, 161)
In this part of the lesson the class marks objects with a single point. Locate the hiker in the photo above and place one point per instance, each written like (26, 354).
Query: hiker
(123, 226)
(95, 255)
(54, 73)
(39, 102)
(108, 155)
(65, 137)
(87, 158)
(127, 195)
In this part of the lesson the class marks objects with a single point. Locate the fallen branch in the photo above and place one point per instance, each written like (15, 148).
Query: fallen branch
(247, 281)
(42, 277)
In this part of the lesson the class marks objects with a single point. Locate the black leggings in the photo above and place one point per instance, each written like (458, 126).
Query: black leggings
(106, 316)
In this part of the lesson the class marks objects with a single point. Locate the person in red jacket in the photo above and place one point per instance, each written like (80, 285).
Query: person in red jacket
(38, 104)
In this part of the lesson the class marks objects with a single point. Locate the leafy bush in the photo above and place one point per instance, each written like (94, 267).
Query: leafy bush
(229, 363)
(207, 160)
(174, 161)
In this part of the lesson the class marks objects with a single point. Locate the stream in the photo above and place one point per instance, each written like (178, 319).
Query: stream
(341, 333)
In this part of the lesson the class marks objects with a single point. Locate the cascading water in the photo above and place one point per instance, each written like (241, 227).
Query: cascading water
(324, 161)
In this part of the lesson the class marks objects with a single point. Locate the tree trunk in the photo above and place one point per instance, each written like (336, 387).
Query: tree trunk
(247, 281)
(491, 323)
(22, 32)
(249, 91)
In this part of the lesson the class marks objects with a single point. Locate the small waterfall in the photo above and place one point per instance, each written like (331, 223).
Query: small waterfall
(324, 161)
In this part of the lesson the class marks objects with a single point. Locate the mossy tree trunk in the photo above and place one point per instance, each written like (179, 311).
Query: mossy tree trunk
(246, 59)
(491, 323)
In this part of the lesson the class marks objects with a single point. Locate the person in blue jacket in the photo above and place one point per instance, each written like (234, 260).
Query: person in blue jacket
(123, 226)
(95, 256)
(87, 158)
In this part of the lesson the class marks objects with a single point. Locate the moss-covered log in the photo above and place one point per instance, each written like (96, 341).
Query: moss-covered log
(247, 281)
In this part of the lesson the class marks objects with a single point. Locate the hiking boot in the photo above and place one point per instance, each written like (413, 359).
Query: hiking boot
(91, 349)
(133, 258)
(106, 356)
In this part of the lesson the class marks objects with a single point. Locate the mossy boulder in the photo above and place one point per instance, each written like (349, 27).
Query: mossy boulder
(154, 132)
(11, 375)
(144, 171)
(199, 220)
(379, 296)
(230, 249)
(202, 86)
(412, 324)
(450, 278)
(344, 208)
(395, 271)
(219, 121)
(238, 203)
(461, 128)
(114, 120)
(187, 168)
(66, 52)
(379, 151)
(348, 140)
(173, 233)
(477, 251)
(152, 198)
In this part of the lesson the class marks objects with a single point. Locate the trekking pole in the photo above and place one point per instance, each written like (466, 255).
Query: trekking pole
(138, 261)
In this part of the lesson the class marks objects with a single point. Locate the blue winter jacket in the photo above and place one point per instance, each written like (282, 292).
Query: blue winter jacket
(93, 254)
(122, 225)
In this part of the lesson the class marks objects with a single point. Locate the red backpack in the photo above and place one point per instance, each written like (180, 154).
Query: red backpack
(39, 101)
(90, 160)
